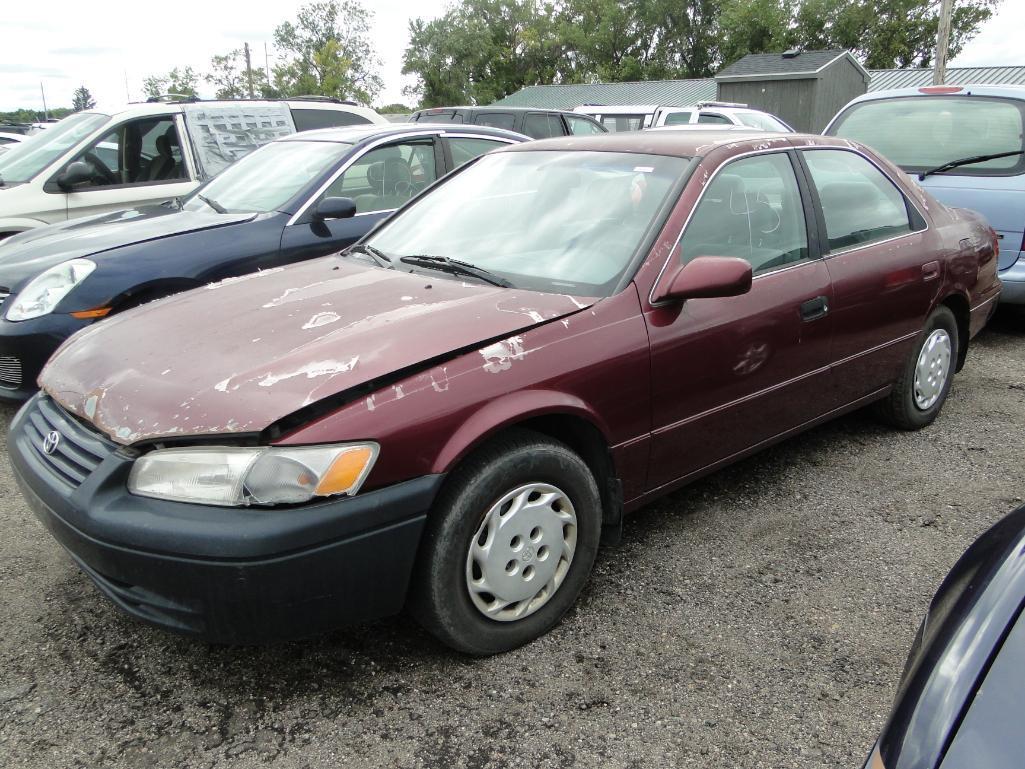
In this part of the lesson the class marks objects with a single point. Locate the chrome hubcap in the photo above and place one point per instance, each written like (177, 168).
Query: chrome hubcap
(932, 369)
(521, 552)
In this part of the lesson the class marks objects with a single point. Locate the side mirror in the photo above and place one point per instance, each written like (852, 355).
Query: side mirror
(334, 208)
(76, 174)
(705, 277)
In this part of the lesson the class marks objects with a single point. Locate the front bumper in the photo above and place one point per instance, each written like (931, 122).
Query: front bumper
(25, 347)
(1013, 280)
(227, 575)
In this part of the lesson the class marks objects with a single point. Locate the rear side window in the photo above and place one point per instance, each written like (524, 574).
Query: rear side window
(709, 117)
(465, 149)
(310, 119)
(922, 132)
(496, 120)
(859, 204)
(677, 118)
(541, 125)
(582, 126)
(752, 210)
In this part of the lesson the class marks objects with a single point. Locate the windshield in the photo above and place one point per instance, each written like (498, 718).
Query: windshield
(564, 222)
(22, 162)
(267, 178)
(922, 132)
(761, 121)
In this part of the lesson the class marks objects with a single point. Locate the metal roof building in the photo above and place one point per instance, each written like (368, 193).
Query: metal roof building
(683, 92)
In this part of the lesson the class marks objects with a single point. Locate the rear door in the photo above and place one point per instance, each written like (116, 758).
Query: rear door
(731, 373)
(379, 180)
(883, 281)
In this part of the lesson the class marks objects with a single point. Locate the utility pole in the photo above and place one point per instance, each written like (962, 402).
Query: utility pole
(46, 114)
(249, 71)
(939, 70)
(266, 62)
(128, 95)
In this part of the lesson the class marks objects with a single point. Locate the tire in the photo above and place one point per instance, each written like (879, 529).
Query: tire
(907, 407)
(514, 473)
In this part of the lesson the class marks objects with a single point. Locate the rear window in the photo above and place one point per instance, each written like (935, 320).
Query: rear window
(619, 123)
(922, 132)
(677, 118)
(309, 119)
(437, 117)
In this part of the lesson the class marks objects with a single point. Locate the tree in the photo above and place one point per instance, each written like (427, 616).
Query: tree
(178, 81)
(394, 109)
(228, 75)
(328, 52)
(82, 99)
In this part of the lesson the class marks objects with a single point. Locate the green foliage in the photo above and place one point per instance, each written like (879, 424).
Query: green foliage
(228, 75)
(24, 115)
(482, 50)
(178, 81)
(328, 52)
(82, 99)
(394, 109)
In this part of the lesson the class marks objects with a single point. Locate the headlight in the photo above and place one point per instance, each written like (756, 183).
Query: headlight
(252, 476)
(45, 291)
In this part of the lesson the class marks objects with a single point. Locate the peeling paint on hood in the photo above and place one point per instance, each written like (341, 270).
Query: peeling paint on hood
(251, 352)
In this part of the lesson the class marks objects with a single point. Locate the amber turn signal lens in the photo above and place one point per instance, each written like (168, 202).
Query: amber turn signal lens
(346, 472)
(99, 312)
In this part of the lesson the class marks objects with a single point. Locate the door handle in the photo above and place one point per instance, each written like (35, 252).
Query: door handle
(931, 270)
(815, 308)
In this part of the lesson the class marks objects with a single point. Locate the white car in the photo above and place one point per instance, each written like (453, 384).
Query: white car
(95, 161)
(640, 116)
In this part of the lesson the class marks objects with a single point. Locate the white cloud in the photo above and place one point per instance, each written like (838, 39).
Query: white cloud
(999, 41)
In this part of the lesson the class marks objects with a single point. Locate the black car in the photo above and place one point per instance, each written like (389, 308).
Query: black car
(300, 197)
(535, 123)
(959, 703)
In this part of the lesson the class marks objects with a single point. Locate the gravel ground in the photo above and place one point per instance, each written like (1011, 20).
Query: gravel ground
(759, 618)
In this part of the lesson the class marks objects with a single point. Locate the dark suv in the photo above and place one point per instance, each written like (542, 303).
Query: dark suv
(535, 123)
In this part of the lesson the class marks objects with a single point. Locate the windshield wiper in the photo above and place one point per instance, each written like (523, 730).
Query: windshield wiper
(967, 162)
(213, 204)
(378, 255)
(456, 267)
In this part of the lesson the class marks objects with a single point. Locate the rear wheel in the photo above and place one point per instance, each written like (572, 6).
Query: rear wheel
(919, 393)
(510, 545)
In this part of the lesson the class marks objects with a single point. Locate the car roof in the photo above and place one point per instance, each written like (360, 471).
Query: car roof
(1009, 91)
(357, 134)
(673, 143)
(492, 108)
(145, 108)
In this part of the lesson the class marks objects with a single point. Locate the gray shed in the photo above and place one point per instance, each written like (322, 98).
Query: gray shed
(804, 88)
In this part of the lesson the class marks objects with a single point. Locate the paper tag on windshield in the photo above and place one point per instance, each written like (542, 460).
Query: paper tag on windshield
(644, 169)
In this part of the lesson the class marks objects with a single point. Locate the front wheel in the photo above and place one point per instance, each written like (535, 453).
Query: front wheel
(919, 393)
(510, 545)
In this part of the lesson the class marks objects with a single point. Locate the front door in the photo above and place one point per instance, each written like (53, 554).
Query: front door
(731, 373)
(379, 181)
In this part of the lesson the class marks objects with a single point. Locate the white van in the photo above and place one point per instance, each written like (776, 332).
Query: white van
(632, 117)
(95, 161)
(721, 113)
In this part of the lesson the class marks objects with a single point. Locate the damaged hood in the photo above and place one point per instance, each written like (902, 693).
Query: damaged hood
(27, 254)
(239, 355)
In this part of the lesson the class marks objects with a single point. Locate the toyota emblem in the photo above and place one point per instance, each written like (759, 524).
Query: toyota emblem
(51, 442)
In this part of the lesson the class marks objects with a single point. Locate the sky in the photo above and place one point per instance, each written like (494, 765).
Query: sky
(63, 44)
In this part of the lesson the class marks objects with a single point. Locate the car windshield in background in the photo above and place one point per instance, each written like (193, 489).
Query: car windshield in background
(761, 121)
(267, 178)
(22, 162)
(563, 222)
(922, 132)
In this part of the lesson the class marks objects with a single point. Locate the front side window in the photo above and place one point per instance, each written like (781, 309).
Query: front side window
(751, 210)
(496, 120)
(762, 122)
(859, 204)
(267, 178)
(386, 177)
(24, 161)
(143, 151)
(677, 118)
(564, 222)
(579, 126)
(919, 133)
(465, 149)
(541, 125)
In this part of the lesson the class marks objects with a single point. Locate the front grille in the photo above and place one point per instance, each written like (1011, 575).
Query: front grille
(78, 450)
(10, 372)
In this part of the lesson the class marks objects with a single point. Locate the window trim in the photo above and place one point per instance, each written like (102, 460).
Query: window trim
(446, 150)
(812, 233)
(910, 206)
(298, 215)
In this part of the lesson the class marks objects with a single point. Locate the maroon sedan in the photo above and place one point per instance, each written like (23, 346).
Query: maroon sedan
(452, 414)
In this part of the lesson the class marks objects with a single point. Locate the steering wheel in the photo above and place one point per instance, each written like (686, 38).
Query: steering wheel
(99, 168)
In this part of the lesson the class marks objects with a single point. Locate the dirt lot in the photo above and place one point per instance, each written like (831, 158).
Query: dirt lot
(759, 618)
